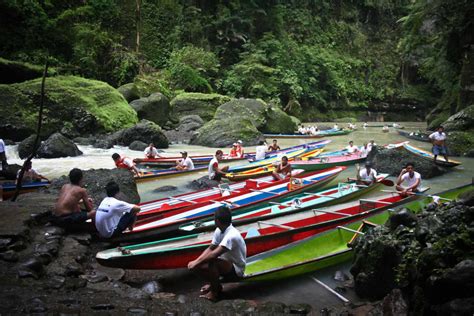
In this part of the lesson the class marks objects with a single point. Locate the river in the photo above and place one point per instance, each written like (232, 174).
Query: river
(298, 290)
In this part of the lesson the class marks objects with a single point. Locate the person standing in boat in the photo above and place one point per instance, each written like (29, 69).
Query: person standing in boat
(125, 163)
(409, 180)
(367, 175)
(351, 149)
(74, 206)
(224, 258)
(151, 152)
(216, 173)
(438, 139)
(283, 170)
(113, 216)
(274, 146)
(260, 150)
(185, 163)
(30, 174)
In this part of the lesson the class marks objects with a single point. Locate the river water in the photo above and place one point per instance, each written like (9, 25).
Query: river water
(297, 290)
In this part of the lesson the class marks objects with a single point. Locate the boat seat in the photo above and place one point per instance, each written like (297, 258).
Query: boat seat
(253, 232)
(251, 184)
(225, 189)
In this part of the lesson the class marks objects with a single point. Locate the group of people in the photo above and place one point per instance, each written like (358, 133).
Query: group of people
(309, 130)
(363, 151)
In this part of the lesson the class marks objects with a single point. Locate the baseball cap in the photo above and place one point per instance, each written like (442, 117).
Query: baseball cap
(234, 144)
(184, 153)
(239, 141)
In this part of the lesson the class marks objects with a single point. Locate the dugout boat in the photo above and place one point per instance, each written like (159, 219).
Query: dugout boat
(8, 188)
(166, 224)
(419, 136)
(328, 248)
(429, 156)
(320, 134)
(260, 236)
(319, 163)
(165, 173)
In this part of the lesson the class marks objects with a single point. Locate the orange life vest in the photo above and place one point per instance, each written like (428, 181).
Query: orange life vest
(121, 164)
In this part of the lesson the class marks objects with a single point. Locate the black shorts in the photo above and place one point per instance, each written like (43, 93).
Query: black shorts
(231, 276)
(217, 177)
(70, 219)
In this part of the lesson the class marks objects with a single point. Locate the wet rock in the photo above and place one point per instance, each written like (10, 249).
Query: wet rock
(182, 298)
(52, 230)
(341, 276)
(271, 308)
(113, 274)
(300, 309)
(74, 269)
(467, 198)
(136, 311)
(45, 257)
(105, 143)
(155, 108)
(4, 242)
(95, 277)
(37, 306)
(457, 307)
(151, 287)
(82, 238)
(85, 140)
(17, 245)
(9, 256)
(394, 304)
(32, 267)
(51, 247)
(163, 296)
(195, 314)
(103, 307)
(171, 313)
(202, 183)
(165, 188)
(145, 131)
(74, 283)
(55, 282)
(138, 145)
(129, 91)
(25, 147)
(57, 146)
(403, 217)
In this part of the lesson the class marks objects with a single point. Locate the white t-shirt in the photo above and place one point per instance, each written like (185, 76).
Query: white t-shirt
(406, 179)
(151, 152)
(335, 126)
(372, 176)
(438, 136)
(2, 146)
(108, 215)
(351, 149)
(364, 151)
(260, 152)
(188, 163)
(370, 146)
(128, 162)
(233, 241)
(210, 168)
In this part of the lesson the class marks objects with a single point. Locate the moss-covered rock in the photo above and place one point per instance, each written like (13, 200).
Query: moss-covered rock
(83, 105)
(147, 84)
(201, 104)
(278, 121)
(461, 143)
(252, 109)
(57, 146)
(155, 108)
(129, 91)
(461, 121)
(224, 132)
(14, 71)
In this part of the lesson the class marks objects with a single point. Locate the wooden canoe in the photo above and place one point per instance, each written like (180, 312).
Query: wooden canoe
(259, 236)
(325, 249)
(419, 136)
(166, 224)
(165, 173)
(429, 156)
(9, 187)
(320, 163)
(319, 135)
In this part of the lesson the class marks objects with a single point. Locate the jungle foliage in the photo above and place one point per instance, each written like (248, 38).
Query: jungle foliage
(321, 55)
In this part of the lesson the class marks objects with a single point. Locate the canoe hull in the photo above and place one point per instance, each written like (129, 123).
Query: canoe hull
(313, 165)
(426, 155)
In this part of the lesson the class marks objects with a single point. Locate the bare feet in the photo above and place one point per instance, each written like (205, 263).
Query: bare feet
(213, 297)
(207, 288)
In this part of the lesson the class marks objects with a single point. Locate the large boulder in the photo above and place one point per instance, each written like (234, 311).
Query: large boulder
(154, 108)
(95, 181)
(57, 146)
(129, 92)
(138, 146)
(461, 143)
(253, 109)
(145, 131)
(201, 104)
(80, 106)
(224, 132)
(25, 147)
(461, 121)
(185, 131)
(278, 122)
(392, 161)
(14, 71)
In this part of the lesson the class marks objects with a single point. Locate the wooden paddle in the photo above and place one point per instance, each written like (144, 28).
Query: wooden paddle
(386, 182)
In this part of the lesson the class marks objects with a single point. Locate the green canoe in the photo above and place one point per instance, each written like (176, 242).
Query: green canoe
(325, 249)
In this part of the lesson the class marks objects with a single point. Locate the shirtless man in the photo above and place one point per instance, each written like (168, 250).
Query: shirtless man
(71, 197)
(283, 170)
(274, 146)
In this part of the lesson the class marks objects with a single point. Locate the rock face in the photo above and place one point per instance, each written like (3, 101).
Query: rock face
(95, 181)
(10, 172)
(137, 145)
(460, 128)
(129, 92)
(145, 131)
(461, 121)
(243, 119)
(57, 146)
(155, 108)
(392, 161)
(201, 104)
(80, 106)
(184, 132)
(25, 147)
(429, 258)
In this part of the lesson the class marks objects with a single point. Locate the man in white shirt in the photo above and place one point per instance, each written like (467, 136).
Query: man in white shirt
(371, 145)
(438, 139)
(114, 216)
(336, 127)
(409, 180)
(216, 173)
(260, 151)
(351, 148)
(364, 150)
(151, 152)
(367, 175)
(225, 256)
(185, 163)
(3, 157)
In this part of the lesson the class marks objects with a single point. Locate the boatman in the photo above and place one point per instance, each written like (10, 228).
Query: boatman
(216, 173)
(364, 150)
(233, 151)
(30, 174)
(185, 163)
(114, 216)
(283, 170)
(351, 148)
(240, 150)
(125, 163)
(367, 175)
(274, 146)
(151, 152)
(260, 150)
(438, 140)
(74, 205)
(225, 257)
(409, 180)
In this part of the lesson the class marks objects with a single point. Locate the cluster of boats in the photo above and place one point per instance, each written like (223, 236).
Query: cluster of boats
(290, 226)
